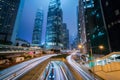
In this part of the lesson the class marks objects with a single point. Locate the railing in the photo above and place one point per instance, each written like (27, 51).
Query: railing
(110, 62)
(14, 49)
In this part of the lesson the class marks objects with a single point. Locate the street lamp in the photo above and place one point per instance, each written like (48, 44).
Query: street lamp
(101, 47)
(80, 47)
(92, 62)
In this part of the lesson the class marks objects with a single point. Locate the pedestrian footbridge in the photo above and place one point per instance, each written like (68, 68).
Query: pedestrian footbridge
(108, 63)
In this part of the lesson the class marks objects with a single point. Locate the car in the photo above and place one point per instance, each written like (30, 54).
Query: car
(51, 76)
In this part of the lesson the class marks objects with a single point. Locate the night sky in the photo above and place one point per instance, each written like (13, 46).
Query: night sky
(26, 26)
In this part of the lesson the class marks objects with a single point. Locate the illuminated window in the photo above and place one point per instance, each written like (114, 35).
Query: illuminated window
(112, 23)
(93, 36)
(100, 34)
(109, 26)
(106, 3)
(118, 21)
(117, 12)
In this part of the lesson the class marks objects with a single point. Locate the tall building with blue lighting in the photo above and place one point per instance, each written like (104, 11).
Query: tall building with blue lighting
(37, 31)
(54, 24)
(81, 26)
(17, 22)
(8, 13)
(111, 15)
(92, 27)
(65, 36)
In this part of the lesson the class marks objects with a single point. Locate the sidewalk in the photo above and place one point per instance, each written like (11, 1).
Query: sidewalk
(109, 71)
(109, 75)
(100, 74)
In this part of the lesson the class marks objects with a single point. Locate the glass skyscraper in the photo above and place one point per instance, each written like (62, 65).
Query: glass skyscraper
(81, 26)
(17, 22)
(91, 27)
(65, 36)
(37, 31)
(8, 12)
(111, 14)
(54, 24)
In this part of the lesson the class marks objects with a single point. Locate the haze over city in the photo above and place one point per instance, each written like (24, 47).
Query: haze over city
(59, 39)
(69, 8)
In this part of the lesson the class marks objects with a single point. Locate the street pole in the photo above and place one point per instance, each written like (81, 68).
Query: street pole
(92, 60)
(91, 55)
(108, 38)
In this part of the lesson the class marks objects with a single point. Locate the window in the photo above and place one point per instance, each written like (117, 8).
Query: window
(106, 3)
(109, 26)
(118, 21)
(93, 36)
(100, 34)
(117, 12)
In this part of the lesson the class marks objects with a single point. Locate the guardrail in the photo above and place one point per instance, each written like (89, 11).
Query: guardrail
(10, 48)
(110, 62)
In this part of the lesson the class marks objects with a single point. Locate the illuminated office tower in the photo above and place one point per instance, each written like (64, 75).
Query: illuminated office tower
(54, 24)
(8, 13)
(37, 31)
(111, 15)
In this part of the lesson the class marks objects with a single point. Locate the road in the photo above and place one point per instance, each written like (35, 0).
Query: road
(78, 68)
(17, 71)
(57, 70)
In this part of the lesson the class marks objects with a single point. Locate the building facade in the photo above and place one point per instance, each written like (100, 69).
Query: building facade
(98, 34)
(111, 14)
(92, 28)
(74, 44)
(54, 24)
(65, 36)
(78, 24)
(37, 31)
(17, 21)
(8, 13)
(81, 27)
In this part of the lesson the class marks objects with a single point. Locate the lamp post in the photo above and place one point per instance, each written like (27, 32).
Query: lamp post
(80, 47)
(101, 47)
(92, 62)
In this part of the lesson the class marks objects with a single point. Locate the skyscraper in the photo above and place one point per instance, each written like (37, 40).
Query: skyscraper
(111, 15)
(65, 36)
(54, 24)
(92, 28)
(81, 26)
(98, 35)
(37, 31)
(17, 22)
(8, 12)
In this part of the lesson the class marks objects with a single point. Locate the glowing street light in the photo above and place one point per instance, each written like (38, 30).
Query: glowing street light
(101, 47)
(80, 46)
